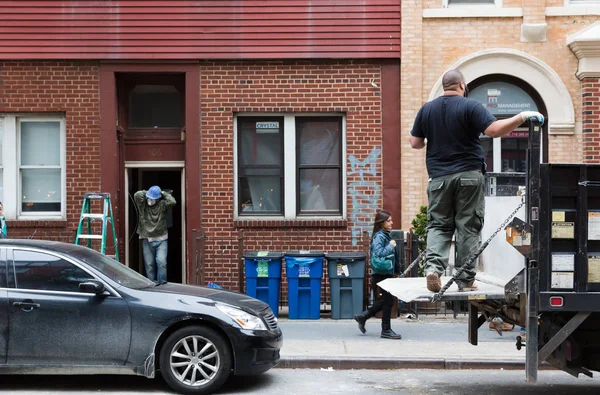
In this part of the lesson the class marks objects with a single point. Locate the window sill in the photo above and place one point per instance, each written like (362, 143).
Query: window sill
(290, 223)
(473, 12)
(36, 223)
(573, 10)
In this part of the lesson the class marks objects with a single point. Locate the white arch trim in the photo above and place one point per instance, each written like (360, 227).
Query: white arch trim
(519, 64)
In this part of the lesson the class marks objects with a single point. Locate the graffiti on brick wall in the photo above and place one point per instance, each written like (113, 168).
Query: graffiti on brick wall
(364, 194)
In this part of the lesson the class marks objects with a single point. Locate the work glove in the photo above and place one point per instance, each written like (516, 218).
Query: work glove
(527, 115)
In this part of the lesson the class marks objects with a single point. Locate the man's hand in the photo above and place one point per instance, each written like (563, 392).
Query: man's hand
(393, 242)
(527, 115)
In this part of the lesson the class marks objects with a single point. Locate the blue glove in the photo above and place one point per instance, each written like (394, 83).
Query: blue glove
(532, 115)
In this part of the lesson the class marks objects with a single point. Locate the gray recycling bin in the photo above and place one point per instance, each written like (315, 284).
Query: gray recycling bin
(346, 278)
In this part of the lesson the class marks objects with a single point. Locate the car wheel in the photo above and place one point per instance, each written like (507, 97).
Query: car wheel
(195, 360)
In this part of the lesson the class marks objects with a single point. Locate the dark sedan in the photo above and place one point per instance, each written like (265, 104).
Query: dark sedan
(67, 309)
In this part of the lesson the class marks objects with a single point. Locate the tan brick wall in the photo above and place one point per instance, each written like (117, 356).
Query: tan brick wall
(444, 41)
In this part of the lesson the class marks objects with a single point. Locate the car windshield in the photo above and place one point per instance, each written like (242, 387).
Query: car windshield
(112, 269)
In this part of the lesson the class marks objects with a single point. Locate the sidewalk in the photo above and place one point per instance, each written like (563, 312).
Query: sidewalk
(433, 342)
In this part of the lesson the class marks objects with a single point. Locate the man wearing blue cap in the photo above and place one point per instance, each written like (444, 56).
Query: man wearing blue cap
(153, 206)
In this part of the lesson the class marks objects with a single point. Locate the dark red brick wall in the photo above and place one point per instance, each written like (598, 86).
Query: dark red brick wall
(591, 119)
(287, 87)
(71, 89)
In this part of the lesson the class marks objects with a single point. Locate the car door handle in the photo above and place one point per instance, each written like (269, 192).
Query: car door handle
(26, 306)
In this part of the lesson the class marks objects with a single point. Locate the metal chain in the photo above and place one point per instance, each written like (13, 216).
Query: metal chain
(417, 259)
(438, 295)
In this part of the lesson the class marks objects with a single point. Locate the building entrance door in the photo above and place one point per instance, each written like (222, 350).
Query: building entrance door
(169, 178)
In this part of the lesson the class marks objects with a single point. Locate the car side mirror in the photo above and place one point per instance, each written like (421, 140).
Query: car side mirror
(91, 286)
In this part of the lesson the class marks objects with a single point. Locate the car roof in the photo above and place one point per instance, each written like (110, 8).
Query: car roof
(45, 244)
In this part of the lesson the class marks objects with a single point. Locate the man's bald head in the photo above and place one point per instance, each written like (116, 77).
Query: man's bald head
(452, 79)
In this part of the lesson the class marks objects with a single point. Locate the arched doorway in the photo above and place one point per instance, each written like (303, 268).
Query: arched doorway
(505, 96)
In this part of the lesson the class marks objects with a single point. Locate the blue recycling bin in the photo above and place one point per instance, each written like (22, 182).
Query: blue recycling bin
(304, 272)
(263, 276)
(346, 278)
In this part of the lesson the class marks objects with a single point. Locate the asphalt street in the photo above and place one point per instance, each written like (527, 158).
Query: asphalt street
(324, 381)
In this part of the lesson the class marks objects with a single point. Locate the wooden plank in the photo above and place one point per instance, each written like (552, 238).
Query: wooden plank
(206, 56)
(213, 44)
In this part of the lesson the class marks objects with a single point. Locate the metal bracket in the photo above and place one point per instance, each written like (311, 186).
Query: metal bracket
(562, 335)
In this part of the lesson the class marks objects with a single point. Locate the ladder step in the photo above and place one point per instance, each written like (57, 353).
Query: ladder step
(91, 195)
(93, 216)
(90, 237)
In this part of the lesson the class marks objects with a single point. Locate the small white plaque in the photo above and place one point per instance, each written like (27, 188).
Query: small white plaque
(562, 280)
(563, 262)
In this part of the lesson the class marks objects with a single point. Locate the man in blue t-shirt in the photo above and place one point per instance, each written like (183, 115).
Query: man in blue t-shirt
(449, 127)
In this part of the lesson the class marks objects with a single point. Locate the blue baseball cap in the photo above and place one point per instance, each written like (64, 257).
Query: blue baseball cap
(154, 192)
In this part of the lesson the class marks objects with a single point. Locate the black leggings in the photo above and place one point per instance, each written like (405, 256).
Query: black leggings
(383, 301)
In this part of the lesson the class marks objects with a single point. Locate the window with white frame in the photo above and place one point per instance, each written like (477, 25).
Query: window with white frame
(35, 172)
(582, 2)
(289, 166)
(454, 3)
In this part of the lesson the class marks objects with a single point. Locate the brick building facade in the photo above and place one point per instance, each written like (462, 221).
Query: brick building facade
(307, 105)
(547, 49)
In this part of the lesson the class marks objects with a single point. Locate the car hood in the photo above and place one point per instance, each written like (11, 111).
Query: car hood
(242, 301)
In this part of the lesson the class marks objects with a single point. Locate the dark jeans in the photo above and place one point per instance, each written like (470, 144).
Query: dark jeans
(383, 301)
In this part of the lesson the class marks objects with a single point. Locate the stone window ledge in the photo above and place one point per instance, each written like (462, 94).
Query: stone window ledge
(573, 10)
(290, 223)
(36, 223)
(473, 12)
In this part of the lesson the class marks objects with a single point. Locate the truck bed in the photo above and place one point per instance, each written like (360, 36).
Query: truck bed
(415, 289)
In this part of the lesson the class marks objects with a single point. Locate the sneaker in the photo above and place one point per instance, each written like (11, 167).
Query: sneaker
(469, 287)
(434, 283)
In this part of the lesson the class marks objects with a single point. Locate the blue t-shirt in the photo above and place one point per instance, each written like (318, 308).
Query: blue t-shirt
(452, 126)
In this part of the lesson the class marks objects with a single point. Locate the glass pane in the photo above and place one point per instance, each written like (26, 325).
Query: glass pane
(488, 152)
(40, 143)
(36, 270)
(260, 195)
(155, 106)
(319, 141)
(319, 190)
(41, 189)
(260, 143)
(1, 137)
(514, 151)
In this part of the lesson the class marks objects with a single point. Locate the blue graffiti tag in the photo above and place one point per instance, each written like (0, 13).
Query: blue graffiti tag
(364, 194)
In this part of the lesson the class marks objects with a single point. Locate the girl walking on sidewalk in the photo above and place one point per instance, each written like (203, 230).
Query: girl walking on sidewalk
(384, 263)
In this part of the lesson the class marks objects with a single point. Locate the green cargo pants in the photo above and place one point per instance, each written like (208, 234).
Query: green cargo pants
(456, 204)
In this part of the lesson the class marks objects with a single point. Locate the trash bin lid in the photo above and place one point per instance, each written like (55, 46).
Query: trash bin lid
(263, 254)
(304, 253)
(346, 255)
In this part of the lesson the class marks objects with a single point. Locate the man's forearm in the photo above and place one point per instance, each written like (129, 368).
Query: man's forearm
(503, 127)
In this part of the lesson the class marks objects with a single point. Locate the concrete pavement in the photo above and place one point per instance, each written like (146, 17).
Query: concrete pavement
(434, 342)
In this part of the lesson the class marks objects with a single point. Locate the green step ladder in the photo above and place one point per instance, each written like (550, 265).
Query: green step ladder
(106, 216)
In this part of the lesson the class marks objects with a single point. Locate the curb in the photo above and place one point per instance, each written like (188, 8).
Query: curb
(382, 363)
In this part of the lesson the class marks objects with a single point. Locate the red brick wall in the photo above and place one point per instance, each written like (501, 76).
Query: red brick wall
(287, 87)
(71, 89)
(590, 88)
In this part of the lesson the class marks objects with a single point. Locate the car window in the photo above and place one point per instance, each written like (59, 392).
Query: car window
(40, 271)
(114, 270)
(2, 270)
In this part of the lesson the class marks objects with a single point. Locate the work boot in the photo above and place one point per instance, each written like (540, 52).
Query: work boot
(434, 283)
(362, 320)
(390, 334)
(468, 287)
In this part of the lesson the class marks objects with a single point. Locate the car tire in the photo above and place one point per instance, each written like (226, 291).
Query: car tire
(195, 360)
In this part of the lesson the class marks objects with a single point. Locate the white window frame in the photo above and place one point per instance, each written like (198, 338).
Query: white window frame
(448, 3)
(289, 167)
(580, 3)
(11, 166)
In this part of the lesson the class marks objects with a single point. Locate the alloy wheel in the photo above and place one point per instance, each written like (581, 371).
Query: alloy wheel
(194, 361)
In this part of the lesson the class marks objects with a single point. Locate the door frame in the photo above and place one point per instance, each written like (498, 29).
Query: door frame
(110, 158)
(173, 165)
